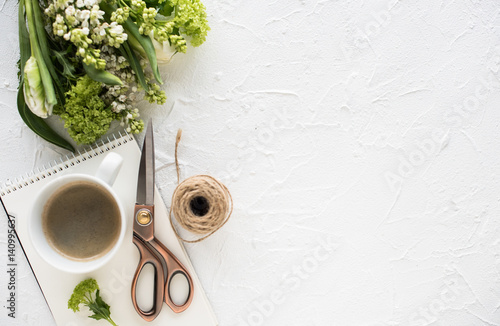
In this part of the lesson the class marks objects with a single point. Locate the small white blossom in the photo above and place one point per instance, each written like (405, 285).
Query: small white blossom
(82, 15)
(115, 29)
(89, 3)
(61, 4)
(96, 15)
(70, 11)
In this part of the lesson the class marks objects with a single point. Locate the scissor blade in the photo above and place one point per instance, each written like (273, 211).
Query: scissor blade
(146, 178)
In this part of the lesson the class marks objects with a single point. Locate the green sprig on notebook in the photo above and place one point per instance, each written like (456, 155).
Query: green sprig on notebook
(84, 294)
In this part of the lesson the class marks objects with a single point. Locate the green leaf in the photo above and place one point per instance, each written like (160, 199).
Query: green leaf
(24, 38)
(102, 76)
(35, 29)
(38, 125)
(101, 302)
(165, 9)
(99, 308)
(147, 45)
(41, 35)
(68, 67)
(132, 59)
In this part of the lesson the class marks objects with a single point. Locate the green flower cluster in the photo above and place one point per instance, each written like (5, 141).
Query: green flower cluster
(120, 15)
(154, 94)
(191, 19)
(82, 293)
(166, 20)
(85, 114)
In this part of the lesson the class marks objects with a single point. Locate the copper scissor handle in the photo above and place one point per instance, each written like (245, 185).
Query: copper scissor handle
(155, 253)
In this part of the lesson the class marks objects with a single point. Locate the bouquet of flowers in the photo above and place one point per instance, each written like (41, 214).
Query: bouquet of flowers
(89, 61)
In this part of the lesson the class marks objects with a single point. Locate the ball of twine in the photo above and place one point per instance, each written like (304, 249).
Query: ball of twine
(200, 204)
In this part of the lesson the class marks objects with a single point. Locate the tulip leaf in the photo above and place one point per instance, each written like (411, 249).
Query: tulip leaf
(45, 50)
(102, 76)
(50, 94)
(132, 59)
(38, 125)
(24, 38)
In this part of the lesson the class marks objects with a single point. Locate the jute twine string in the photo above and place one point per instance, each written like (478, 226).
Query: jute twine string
(212, 193)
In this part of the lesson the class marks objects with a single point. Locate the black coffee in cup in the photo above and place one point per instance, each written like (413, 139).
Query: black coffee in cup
(81, 220)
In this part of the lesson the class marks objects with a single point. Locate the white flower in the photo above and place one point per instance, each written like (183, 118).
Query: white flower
(85, 30)
(61, 4)
(70, 11)
(82, 15)
(115, 107)
(89, 3)
(67, 36)
(96, 15)
(115, 29)
(34, 93)
(99, 30)
(79, 3)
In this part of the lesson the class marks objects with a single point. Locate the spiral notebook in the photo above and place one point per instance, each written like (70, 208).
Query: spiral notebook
(116, 276)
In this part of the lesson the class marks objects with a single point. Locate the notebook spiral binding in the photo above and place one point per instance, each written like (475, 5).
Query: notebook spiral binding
(60, 165)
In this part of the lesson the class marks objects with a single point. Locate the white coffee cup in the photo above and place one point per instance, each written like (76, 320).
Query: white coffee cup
(105, 177)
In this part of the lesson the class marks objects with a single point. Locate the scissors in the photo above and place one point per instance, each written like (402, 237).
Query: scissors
(151, 250)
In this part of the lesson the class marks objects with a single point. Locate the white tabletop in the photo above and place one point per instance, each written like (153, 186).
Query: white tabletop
(360, 142)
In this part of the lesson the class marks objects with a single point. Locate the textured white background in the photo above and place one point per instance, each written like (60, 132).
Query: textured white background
(360, 141)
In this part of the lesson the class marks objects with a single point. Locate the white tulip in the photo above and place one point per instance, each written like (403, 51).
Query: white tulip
(34, 93)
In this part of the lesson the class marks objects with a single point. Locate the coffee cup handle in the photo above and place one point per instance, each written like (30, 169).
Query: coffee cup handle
(109, 168)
